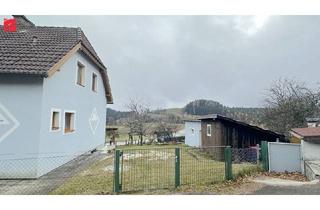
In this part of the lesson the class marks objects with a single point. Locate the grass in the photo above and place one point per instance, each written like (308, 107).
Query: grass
(124, 130)
(151, 167)
(97, 179)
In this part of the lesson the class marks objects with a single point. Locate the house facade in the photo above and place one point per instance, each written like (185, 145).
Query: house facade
(313, 122)
(217, 130)
(53, 95)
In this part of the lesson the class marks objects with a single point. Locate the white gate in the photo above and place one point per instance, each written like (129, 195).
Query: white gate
(284, 157)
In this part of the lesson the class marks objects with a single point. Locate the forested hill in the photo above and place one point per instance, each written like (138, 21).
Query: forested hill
(193, 110)
(206, 107)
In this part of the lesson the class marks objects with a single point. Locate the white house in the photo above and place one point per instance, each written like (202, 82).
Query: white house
(53, 95)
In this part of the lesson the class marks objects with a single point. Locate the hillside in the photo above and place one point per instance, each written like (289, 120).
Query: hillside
(193, 110)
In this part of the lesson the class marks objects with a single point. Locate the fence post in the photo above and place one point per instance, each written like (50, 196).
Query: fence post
(228, 163)
(258, 154)
(177, 167)
(264, 155)
(117, 185)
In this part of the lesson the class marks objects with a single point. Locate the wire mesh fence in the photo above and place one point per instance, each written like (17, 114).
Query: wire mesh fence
(147, 169)
(137, 169)
(202, 165)
(161, 168)
(45, 174)
(245, 161)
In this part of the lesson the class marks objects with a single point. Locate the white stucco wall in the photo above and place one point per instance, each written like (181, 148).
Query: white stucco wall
(20, 105)
(193, 138)
(61, 92)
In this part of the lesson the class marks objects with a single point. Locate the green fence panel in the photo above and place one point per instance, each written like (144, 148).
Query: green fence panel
(228, 163)
(177, 167)
(264, 155)
(117, 184)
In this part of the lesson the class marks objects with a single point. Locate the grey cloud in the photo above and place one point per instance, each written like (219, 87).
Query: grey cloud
(169, 60)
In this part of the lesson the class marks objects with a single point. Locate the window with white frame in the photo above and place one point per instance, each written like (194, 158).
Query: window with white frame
(209, 130)
(55, 120)
(81, 74)
(94, 82)
(69, 122)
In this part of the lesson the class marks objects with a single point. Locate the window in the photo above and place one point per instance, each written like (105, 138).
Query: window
(192, 131)
(55, 120)
(208, 130)
(81, 74)
(69, 122)
(94, 82)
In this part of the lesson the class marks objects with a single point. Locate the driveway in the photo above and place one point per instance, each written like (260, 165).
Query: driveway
(52, 180)
(289, 190)
(274, 186)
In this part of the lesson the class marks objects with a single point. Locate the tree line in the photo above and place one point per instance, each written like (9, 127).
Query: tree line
(287, 105)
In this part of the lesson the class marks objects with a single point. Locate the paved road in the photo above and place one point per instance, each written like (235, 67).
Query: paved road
(50, 181)
(289, 190)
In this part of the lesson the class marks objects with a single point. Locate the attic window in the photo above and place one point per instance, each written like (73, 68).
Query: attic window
(94, 82)
(81, 74)
(69, 122)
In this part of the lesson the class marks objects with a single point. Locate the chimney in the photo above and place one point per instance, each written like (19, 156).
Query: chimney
(34, 40)
(23, 22)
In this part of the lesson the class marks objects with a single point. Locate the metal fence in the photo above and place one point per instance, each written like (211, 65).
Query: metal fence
(202, 165)
(140, 169)
(159, 168)
(34, 175)
(126, 170)
(245, 161)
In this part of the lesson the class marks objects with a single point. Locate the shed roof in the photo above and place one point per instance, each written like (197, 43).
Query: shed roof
(228, 119)
(35, 50)
(192, 120)
(307, 132)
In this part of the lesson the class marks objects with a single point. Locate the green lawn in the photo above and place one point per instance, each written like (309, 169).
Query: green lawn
(153, 167)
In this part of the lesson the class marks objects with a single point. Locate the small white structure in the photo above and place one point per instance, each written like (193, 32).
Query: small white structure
(193, 133)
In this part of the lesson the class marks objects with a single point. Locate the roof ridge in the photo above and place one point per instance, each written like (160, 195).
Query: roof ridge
(68, 27)
(79, 34)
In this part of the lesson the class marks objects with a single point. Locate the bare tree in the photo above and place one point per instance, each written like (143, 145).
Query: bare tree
(167, 128)
(138, 120)
(288, 104)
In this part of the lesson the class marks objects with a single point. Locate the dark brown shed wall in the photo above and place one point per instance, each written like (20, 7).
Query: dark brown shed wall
(216, 136)
(231, 134)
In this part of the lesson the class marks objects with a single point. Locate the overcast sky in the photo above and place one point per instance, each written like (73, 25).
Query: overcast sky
(170, 60)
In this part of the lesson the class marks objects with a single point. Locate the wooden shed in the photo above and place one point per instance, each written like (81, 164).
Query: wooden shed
(217, 130)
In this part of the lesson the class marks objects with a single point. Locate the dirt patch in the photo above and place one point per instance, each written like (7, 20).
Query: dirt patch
(294, 176)
(150, 155)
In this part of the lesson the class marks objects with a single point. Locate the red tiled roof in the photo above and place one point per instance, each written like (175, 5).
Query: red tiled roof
(35, 49)
(307, 132)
